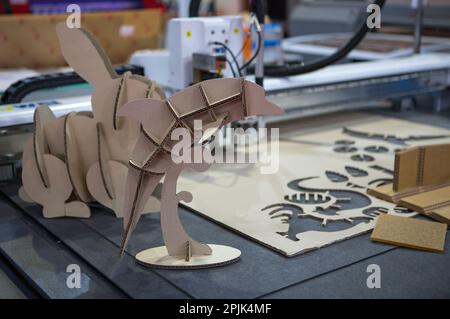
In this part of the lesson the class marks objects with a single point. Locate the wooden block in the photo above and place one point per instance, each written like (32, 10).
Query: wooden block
(406, 169)
(387, 193)
(421, 167)
(428, 201)
(411, 233)
(441, 214)
(431, 201)
(434, 173)
(384, 192)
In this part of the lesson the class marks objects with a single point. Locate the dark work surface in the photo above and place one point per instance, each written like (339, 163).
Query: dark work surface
(42, 260)
(338, 270)
(8, 289)
(94, 250)
(405, 273)
(260, 270)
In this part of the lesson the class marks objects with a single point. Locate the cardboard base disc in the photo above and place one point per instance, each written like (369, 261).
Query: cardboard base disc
(158, 258)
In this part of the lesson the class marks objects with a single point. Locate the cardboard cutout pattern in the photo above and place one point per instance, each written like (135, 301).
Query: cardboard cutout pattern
(318, 195)
(83, 157)
(214, 102)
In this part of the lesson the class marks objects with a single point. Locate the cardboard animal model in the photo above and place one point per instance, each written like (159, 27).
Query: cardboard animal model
(215, 102)
(81, 157)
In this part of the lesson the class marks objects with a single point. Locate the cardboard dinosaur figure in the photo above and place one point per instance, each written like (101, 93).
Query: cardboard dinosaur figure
(83, 157)
(214, 102)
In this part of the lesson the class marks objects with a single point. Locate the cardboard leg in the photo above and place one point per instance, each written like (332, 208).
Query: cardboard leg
(181, 251)
(118, 173)
(77, 209)
(53, 197)
(174, 235)
(24, 196)
(139, 188)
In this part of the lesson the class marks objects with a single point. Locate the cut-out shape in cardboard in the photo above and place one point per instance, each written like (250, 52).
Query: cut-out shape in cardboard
(90, 150)
(400, 139)
(214, 102)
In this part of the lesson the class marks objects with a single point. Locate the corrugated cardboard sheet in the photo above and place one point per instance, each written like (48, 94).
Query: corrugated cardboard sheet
(30, 40)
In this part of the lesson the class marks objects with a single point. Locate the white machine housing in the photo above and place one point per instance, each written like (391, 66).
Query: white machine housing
(172, 68)
(189, 35)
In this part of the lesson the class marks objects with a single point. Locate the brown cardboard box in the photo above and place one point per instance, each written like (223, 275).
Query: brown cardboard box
(30, 40)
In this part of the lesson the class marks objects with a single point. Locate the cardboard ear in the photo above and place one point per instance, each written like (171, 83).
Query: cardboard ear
(257, 104)
(211, 128)
(151, 113)
(42, 116)
(84, 54)
(136, 109)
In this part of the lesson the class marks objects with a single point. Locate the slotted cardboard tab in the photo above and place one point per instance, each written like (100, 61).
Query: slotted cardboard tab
(421, 181)
(428, 201)
(409, 232)
(421, 166)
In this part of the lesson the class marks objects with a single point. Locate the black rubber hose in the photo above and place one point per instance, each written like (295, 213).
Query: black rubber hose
(194, 8)
(231, 67)
(20, 89)
(255, 55)
(233, 56)
(281, 71)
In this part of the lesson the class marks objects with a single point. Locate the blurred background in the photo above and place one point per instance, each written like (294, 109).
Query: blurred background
(28, 38)
(312, 56)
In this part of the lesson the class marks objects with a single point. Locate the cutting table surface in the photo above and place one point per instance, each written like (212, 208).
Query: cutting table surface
(35, 253)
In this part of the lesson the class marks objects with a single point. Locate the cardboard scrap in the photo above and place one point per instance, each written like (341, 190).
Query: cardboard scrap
(428, 201)
(420, 166)
(411, 233)
(421, 183)
(441, 214)
(30, 41)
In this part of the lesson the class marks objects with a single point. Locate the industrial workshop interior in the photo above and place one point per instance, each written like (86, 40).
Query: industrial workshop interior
(247, 152)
